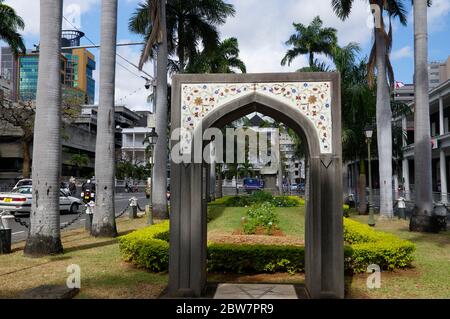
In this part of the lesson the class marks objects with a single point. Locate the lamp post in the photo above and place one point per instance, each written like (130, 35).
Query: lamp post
(369, 132)
(152, 137)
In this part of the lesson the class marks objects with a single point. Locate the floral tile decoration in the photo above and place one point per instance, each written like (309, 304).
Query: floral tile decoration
(312, 99)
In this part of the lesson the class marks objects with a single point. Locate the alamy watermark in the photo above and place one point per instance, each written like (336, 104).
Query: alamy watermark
(74, 279)
(374, 279)
(239, 145)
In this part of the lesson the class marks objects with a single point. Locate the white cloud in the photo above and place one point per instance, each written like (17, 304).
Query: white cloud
(29, 10)
(262, 26)
(130, 88)
(437, 15)
(405, 52)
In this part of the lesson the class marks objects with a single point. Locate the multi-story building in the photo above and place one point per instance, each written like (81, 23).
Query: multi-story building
(9, 70)
(133, 146)
(77, 68)
(439, 99)
(6, 88)
(438, 72)
(79, 72)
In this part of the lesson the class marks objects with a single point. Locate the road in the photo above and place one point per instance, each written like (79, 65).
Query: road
(20, 233)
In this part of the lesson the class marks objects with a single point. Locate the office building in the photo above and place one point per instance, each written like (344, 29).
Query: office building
(438, 72)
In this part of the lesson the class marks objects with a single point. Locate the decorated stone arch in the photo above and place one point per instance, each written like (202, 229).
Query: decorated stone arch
(309, 103)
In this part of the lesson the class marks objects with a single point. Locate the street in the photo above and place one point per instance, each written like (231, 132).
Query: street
(20, 232)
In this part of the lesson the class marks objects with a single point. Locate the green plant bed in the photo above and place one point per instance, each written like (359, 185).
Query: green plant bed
(149, 248)
(258, 197)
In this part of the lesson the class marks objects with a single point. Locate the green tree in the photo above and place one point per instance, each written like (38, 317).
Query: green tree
(10, 25)
(311, 39)
(79, 161)
(175, 27)
(223, 59)
(379, 60)
(44, 235)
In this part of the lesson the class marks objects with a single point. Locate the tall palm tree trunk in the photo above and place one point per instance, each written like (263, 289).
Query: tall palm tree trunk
(159, 198)
(104, 221)
(384, 128)
(44, 235)
(420, 220)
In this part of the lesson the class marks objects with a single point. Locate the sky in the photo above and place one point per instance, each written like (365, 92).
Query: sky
(261, 27)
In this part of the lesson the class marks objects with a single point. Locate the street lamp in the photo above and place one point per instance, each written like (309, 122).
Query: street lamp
(369, 132)
(152, 138)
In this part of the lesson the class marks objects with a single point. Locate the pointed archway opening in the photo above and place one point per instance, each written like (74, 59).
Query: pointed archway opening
(309, 104)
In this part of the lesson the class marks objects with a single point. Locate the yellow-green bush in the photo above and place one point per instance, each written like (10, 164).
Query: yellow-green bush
(149, 248)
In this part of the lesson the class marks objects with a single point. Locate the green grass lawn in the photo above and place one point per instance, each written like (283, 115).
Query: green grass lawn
(228, 219)
(105, 275)
(429, 277)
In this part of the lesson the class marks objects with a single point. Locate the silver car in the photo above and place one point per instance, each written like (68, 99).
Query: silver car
(19, 201)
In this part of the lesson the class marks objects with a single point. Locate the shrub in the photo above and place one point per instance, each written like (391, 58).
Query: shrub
(247, 258)
(287, 201)
(260, 215)
(258, 197)
(149, 248)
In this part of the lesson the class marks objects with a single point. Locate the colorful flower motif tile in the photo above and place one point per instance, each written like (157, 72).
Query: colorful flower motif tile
(312, 99)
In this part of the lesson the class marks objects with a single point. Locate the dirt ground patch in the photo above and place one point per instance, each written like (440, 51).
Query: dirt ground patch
(236, 238)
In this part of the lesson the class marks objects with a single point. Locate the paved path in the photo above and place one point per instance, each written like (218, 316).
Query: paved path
(20, 233)
(258, 291)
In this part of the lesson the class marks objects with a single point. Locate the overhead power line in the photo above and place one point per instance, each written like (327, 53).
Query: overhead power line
(120, 56)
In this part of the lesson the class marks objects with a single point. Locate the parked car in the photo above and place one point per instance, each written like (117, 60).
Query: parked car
(294, 187)
(20, 199)
(28, 182)
(22, 182)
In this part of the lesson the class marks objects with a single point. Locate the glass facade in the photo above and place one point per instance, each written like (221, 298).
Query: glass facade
(77, 71)
(28, 75)
(90, 82)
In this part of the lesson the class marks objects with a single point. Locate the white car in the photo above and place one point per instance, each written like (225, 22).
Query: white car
(27, 182)
(20, 199)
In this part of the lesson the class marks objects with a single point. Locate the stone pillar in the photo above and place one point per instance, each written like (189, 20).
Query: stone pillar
(441, 116)
(212, 174)
(187, 254)
(405, 173)
(324, 256)
(443, 169)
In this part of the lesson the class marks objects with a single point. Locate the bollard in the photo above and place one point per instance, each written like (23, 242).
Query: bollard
(401, 202)
(89, 216)
(132, 213)
(5, 234)
(7, 221)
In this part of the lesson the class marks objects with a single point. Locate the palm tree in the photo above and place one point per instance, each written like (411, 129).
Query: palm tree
(311, 39)
(177, 28)
(223, 59)
(379, 60)
(189, 23)
(44, 234)
(104, 221)
(10, 24)
(79, 161)
(420, 221)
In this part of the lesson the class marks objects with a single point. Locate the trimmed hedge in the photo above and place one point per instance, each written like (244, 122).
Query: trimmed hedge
(148, 248)
(368, 246)
(257, 198)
